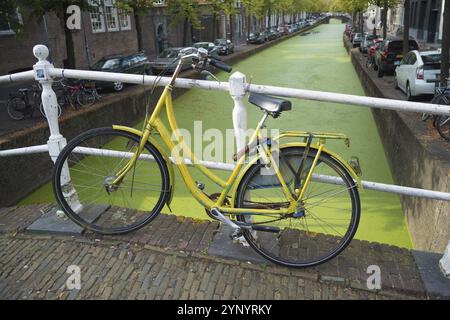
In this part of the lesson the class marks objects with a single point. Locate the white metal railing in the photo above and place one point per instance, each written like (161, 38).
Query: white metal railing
(44, 72)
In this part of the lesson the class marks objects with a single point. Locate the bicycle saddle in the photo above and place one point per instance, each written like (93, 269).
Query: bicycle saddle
(24, 90)
(272, 105)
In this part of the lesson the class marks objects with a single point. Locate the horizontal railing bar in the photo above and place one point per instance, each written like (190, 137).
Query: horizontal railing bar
(118, 154)
(369, 185)
(17, 77)
(371, 102)
(138, 79)
(25, 150)
(389, 188)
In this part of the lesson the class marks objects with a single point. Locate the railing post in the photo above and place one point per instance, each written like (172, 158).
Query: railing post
(237, 92)
(56, 141)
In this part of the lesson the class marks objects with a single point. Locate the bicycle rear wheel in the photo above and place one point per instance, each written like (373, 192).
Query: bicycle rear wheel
(16, 108)
(323, 224)
(86, 98)
(93, 160)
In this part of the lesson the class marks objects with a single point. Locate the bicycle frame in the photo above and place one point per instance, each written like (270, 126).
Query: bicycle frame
(155, 124)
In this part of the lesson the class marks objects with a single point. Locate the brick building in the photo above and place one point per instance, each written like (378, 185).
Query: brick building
(105, 30)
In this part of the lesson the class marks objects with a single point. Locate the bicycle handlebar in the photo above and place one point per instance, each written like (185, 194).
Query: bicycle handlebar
(201, 54)
(220, 65)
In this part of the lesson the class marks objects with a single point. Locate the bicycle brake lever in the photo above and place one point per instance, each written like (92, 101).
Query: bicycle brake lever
(207, 74)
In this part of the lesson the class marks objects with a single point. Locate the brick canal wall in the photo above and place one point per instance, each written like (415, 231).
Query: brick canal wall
(21, 175)
(417, 156)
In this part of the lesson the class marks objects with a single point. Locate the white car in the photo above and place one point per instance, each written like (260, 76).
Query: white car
(415, 69)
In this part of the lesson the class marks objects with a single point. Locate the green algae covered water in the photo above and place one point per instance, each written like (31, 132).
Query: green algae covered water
(317, 61)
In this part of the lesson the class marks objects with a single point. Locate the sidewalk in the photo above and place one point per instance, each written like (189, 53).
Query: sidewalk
(172, 259)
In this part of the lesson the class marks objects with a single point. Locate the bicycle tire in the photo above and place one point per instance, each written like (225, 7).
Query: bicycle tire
(119, 212)
(16, 108)
(86, 98)
(297, 244)
(443, 127)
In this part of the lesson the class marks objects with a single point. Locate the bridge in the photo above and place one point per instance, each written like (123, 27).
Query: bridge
(186, 229)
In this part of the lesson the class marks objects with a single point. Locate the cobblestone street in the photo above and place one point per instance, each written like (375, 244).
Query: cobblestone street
(169, 259)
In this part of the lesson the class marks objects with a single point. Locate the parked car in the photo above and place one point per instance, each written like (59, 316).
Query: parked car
(357, 39)
(135, 63)
(272, 34)
(166, 61)
(211, 47)
(390, 54)
(283, 30)
(224, 46)
(256, 38)
(415, 70)
(367, 42)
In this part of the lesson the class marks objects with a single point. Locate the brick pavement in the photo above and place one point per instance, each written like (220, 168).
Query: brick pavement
(168, 259)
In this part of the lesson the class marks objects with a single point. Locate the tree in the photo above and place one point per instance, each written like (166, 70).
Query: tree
(186, 12)
(406, 25)
(216, 7)
(36, 9)
(230, 10)
(138, 8)
(253, 8)
(445, 55)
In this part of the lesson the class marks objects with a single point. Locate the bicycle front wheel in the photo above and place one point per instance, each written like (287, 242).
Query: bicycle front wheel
(83, 182)
(16, 108)
(323, 224)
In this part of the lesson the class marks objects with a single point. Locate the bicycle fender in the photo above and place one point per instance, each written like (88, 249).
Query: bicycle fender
(296, 145)
(158, 147)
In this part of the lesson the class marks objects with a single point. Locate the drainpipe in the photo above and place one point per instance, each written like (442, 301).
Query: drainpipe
(86, 43)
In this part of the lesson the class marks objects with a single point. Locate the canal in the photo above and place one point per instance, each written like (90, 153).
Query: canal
(317, 61)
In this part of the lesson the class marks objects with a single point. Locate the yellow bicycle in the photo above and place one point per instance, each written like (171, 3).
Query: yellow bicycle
(295, 202)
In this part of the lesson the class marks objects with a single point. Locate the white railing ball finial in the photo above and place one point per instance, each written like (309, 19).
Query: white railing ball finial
(40, 52)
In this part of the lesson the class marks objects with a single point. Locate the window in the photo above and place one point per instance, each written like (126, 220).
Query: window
(159, 3)
(97, 17)
(112, 18)
(5, 26)
(106, 17)
(124, 20)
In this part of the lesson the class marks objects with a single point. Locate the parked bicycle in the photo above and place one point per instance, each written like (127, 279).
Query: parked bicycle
(25, 103)
(300, 211)
(78, 94)
(441, 96)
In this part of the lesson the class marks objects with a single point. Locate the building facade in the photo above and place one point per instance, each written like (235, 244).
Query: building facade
(105, 30)
(426, 19)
